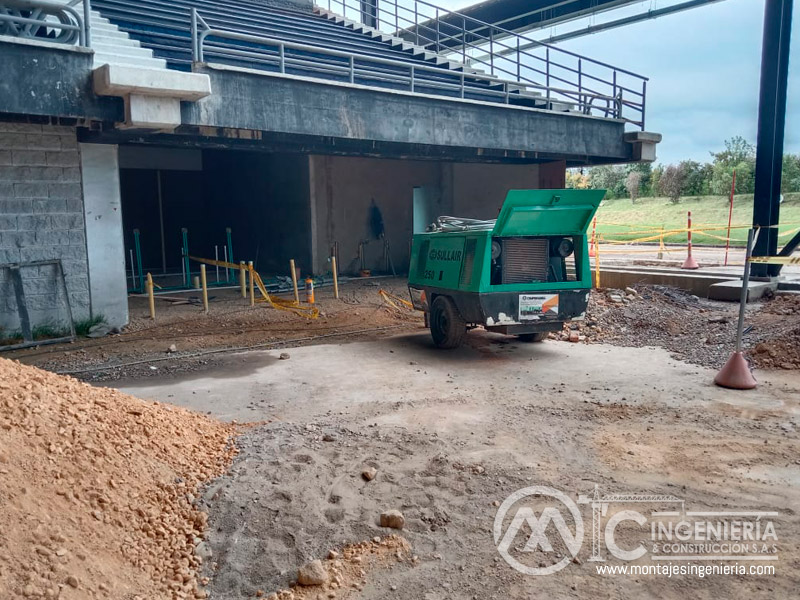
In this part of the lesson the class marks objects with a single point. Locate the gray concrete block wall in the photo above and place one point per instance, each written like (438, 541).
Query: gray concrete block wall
(41, 218)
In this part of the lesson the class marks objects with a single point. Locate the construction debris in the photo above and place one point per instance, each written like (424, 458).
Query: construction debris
(98, 490)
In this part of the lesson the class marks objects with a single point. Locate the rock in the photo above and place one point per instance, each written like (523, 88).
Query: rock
(393, 519)
(369, 473)
(72, 582)
(630, 291)
(203, 550)
(172, 348)
(615, 298)
(328, 437)
(284, 356)
(98, 331)
(333, 555)
(574, 337)
(312, 573)
(787, 427)
(718, 319)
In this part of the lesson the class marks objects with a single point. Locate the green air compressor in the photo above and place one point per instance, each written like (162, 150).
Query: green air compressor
(525, 273)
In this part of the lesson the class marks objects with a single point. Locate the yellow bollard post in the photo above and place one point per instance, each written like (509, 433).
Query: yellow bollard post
(151, 296)
(294, 281)
(661, 244)
(335, 278)
(242, 279)
(597, 265)
(252, 284)
(204, 285)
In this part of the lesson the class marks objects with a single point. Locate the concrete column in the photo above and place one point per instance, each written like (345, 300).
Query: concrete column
(104, 239)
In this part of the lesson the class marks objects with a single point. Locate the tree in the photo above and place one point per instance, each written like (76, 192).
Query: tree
(609, 178)
(576, 180)
(645, 170)
(790, 179)
(672, 182)
(632, 184)
(739, 155)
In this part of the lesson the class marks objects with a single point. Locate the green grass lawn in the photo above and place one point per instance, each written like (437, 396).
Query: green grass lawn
(621, 220)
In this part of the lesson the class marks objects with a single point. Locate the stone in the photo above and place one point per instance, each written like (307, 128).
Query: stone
(98, 331)
(615, 298)
(393, 519)
(369, 473)
(72, 582)
(787, 427)
(574, 337)
(172, 348)
(284, 356)
(312, 573)
(333, 554)
(630, 291)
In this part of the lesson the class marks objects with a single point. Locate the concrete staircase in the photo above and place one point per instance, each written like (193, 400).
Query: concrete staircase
(115, 47)
(112, 46)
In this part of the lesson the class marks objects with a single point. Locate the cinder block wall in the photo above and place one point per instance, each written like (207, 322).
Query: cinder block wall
(41, 217)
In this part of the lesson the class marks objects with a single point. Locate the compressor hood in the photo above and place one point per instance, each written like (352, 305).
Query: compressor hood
(547, 212)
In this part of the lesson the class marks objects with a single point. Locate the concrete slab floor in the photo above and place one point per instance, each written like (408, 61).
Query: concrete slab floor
(453, 433)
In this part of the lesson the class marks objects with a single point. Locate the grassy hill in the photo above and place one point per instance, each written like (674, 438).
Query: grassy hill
(622, 220)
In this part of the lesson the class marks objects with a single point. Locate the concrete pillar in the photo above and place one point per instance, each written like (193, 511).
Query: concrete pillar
(104, 239)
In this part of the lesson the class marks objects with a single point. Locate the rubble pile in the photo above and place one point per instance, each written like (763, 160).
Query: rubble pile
(692, 329)
(97, 490)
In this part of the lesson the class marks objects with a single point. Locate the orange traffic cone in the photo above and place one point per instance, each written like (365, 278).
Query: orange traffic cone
(736, 374)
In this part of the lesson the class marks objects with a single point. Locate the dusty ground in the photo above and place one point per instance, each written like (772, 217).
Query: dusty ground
(692, 329)
(97, 490)
(452, 434)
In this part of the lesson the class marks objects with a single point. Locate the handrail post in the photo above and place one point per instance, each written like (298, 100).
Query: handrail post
(519, 62)
(282, 58)
(194, 35)
(580, 85)
(437, 28)
(462, 83)
(352, 69)
(416, 22)
(87, 23)
(491, 50)
(412, 78)
(644, 99)
(463, 40)
(547, 68)
(614, 94)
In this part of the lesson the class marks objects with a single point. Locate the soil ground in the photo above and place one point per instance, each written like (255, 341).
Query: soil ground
(452, 434)
(698, 330)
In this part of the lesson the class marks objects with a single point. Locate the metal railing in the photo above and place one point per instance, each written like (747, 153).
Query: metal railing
(366, 69)
(57, 22)
(564, 75)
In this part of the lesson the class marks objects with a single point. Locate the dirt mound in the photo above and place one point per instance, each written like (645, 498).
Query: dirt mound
(97, 490)
(693, 329)
(781, 353)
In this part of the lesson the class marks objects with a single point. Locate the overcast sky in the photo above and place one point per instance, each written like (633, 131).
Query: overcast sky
(703, 66)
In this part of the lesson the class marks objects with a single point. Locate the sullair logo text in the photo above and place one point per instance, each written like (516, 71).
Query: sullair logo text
(445, 255)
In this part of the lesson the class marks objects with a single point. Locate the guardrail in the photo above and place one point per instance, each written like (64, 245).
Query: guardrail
(501, 52)
(361, 68)
(32, 19)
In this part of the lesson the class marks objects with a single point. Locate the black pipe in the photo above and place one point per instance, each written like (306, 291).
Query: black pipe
(771, 121)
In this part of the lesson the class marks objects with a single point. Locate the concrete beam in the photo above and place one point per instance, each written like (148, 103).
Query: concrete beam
(121, 80)
(297, 106)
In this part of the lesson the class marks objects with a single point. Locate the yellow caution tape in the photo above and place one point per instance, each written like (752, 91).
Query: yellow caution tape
(776, 260)
(309, 312)
(390, 298)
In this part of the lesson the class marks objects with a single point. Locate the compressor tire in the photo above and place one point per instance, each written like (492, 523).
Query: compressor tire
(533, 337)
(447, 326)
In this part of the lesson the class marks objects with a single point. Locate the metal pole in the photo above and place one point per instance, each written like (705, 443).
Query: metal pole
(187, 271)
(150, 297)
(282, 54)
(229, 253)
(743, 299)
(204, 285)
(771, 123)
(194, 35)
(87, 23)
(730, 217)
(334, 270)
(161, 224)
(242, 279)
(252, 284)
(216, 258)
(294, 281)
(133, 272)
(138, 247)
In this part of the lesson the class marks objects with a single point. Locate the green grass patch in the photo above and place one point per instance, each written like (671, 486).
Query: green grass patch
(83, 326)
(621, 220)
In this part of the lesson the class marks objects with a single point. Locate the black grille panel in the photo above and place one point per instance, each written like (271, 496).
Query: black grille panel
(524, 260)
